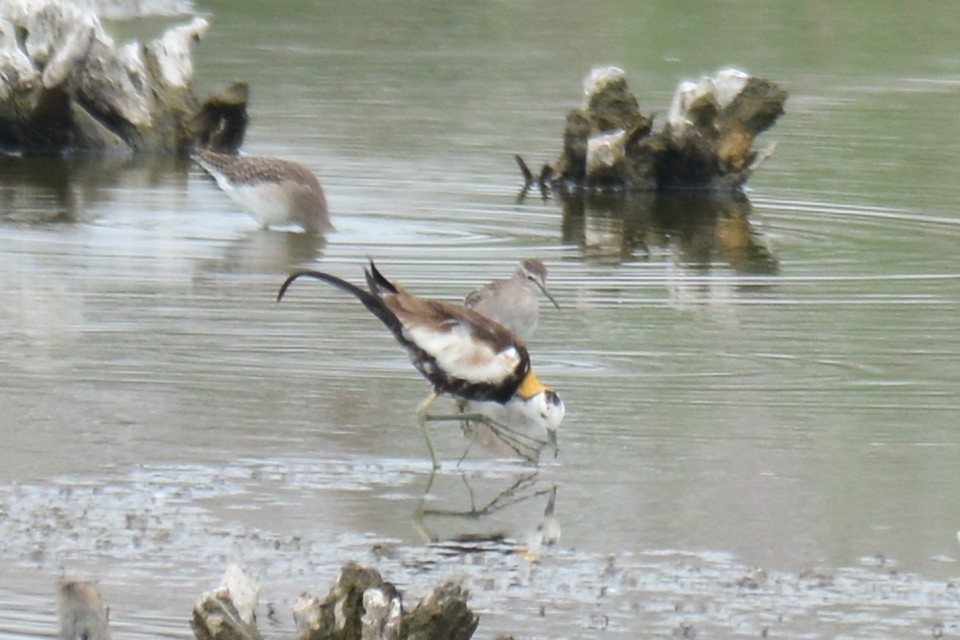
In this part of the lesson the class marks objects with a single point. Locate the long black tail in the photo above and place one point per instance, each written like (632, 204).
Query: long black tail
(370, 300)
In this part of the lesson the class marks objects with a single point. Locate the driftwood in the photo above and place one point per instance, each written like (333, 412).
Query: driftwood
(608, 144)
(441, 615)
(229, 611)
(220, 123)
(66, 86)
(80, 611)
(361, 605)
(339, 615)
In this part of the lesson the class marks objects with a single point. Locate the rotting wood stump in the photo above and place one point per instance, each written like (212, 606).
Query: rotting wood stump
(66, 86)
(229, 611)
(80, 611)
(360, 605)
(706, 143)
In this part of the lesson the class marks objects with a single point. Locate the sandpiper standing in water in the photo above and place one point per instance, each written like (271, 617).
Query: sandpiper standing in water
(274, 191)
(514, 302)
(461, 352)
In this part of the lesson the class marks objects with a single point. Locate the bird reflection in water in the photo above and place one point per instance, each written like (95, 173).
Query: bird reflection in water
(511, 430)
(505, 523)
(258, 251)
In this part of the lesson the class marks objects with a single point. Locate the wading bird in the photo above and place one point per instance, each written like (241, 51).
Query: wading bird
(514, 302)
(461, 352)
(516, 429)
(272, 190)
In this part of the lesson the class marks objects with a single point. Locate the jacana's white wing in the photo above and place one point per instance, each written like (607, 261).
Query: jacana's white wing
(460, 355)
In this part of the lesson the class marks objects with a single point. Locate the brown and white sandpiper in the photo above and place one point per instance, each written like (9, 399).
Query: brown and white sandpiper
(514, 302)
(461, 352)
(274, 191)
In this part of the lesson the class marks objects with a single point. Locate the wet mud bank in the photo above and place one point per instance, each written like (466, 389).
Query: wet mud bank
(484, 574)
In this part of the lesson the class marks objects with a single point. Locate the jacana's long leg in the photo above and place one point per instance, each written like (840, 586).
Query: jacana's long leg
(422, 422)
(459, 417)
(525, 445)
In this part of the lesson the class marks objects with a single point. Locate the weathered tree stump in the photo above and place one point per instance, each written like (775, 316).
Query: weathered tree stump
(359, 606)
(80, 611)
(66, 86)
(383, 613)
(442, 615)
(229, 611)
(338, 616)
(608, 144)
(362, 606)
(220, 123)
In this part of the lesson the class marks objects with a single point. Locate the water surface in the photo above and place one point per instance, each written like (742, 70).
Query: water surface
(761, 394)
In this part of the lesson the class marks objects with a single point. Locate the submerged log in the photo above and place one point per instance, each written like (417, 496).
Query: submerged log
(706, 143)
(66, 86)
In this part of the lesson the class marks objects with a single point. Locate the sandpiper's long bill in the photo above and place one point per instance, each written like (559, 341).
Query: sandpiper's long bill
(514, 302)
(272, 190)
(461, 352)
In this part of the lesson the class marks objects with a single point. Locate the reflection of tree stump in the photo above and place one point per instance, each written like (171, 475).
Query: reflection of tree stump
(707, 142)
(703, 228)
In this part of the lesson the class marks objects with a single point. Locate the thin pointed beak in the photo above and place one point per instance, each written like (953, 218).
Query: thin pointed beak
(552, 443)
(547, 293)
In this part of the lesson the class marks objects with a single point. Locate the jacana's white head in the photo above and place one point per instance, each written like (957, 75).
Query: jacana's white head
(540, 405)
(548, 407)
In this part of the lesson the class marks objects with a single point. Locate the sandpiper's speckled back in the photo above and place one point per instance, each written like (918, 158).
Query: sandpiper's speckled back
(513, 302)
(272, 190)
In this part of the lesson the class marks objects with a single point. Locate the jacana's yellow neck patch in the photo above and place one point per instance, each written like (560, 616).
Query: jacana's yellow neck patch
(530, 386)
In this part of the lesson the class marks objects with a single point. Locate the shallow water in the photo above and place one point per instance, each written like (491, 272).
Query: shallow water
(761, 403)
